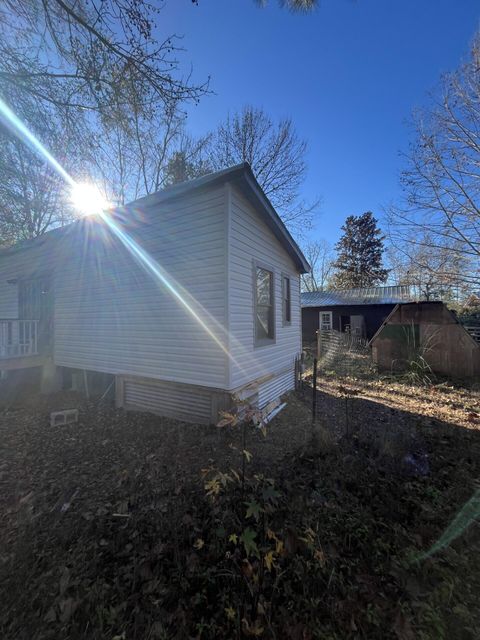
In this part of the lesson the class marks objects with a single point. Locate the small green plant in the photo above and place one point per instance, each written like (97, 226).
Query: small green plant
(260, 552)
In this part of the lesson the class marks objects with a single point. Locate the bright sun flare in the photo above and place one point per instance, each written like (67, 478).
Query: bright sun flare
(87, 199)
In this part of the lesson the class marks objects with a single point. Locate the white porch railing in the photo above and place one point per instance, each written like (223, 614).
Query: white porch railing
(18, 338)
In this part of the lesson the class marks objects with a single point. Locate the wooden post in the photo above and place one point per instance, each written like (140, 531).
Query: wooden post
(302, 371)
(314, 391)
(85, 382)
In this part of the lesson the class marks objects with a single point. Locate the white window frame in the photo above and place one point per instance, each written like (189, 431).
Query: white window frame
(321, 322)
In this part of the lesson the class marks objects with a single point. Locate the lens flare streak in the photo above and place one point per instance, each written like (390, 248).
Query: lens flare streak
(181, 295)
(152, 266)
(12, 122)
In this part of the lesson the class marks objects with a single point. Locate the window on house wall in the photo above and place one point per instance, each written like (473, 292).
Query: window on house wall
(325, 321)
(264, 310)
(287, 304)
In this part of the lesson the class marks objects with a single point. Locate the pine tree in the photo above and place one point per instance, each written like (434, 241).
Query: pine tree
(180, 169)
(359, 254)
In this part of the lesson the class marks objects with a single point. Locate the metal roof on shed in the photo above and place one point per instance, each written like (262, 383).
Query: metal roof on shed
(362, 296)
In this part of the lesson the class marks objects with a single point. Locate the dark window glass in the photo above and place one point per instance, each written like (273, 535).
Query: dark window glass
(287, 305)
(264, 320)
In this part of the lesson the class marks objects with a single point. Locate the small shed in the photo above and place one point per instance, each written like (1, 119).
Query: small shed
(358, 311)
(428, 329)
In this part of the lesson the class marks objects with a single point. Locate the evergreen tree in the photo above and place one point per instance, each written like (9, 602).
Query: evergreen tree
(180, 168)
(359, 254)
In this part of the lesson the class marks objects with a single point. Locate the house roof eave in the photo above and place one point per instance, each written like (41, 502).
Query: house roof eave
(241, 175)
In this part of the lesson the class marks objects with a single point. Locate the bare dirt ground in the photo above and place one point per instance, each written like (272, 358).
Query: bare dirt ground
(380, 477)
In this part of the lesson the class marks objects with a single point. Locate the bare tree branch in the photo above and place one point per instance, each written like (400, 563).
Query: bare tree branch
(320, 257)
(440, 212)
(276, 155)
(89, 51)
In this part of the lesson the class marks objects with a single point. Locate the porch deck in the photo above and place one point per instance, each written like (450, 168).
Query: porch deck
(19, 344)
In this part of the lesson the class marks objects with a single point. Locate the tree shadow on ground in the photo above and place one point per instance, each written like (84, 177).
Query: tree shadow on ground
(102, 523)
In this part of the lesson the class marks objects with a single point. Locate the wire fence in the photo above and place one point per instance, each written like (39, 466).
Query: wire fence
(343, 354)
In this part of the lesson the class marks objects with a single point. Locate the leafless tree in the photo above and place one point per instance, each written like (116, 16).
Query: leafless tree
(441, 209)
(32, 195)
(295, 6)
(90, 54)
(434, 272)
(33, 198)
(321, 257)
(96, 69)
(131, 150)
(136, 155)
(276, 155)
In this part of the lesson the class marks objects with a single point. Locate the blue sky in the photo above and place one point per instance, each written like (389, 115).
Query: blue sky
(348, 75)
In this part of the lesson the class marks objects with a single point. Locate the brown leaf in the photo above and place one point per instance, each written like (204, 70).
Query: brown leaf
(298, 631)
(26, 498)
(224, 423)
(402, 627)
(247, 568)
(50, 616)
(68, 608)
(291, 541)
(151, 586)
(255, 629)
(64, 580)
(145, 571)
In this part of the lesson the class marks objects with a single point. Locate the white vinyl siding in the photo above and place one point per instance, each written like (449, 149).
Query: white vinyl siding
(168, 399)
(128, 318)
(272, 389)
(114, 316)
(17, 265)
(251, 242)
(8, 291)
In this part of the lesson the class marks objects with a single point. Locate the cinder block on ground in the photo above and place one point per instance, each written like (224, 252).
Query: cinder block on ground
(67, 416)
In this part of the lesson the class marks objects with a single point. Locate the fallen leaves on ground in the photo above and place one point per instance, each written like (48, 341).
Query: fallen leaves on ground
(141, 551)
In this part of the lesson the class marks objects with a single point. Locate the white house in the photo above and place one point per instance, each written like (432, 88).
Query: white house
(186, 298)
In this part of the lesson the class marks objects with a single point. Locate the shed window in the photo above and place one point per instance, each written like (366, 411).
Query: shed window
(264, 313)
(325, 321)
(287, 304)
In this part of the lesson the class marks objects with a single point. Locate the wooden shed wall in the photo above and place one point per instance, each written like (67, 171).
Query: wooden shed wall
(444, 343)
